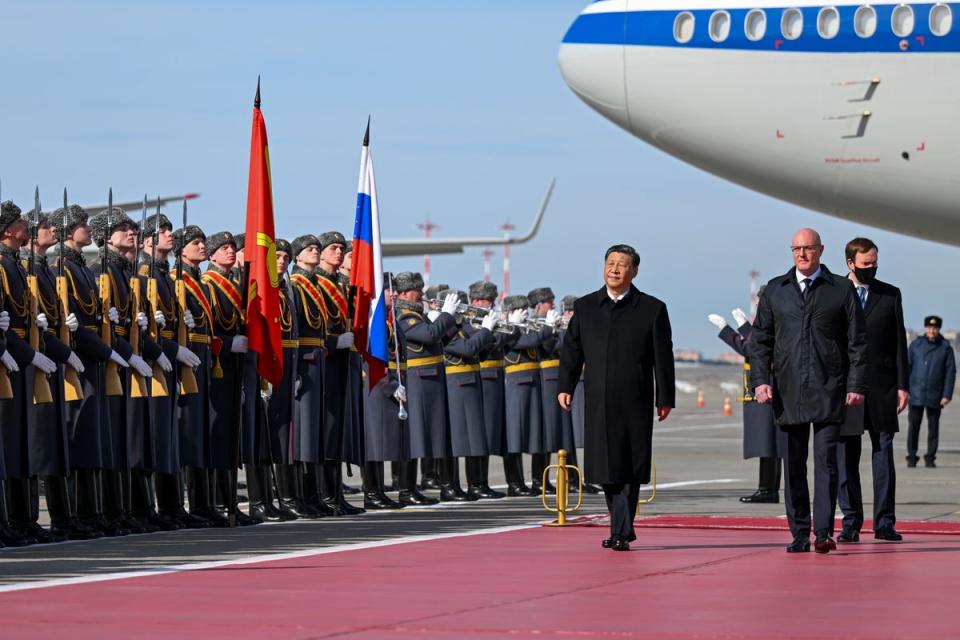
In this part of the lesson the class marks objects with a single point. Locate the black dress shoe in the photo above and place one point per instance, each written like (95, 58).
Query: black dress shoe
(591, 488)
(192, 520)
(379, 502)
(243, 520)
(300, 508)
(800, 544)
(930, 464)
(849, 534)
(429, 482)
(761, 497)
(214, 517)
(482, 492)
(343, 508)
(415, 499)
(165, 522)
(281, 513)
(41, 535)
(258, 513)
(66, 529)
(619, 544)
(887, 533)
(607, 543)
(451, 494)
(350, 491)
(912, 461)
(319, 505)
(824, 544)
(518, 489)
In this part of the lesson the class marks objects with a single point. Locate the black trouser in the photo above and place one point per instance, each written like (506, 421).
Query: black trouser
(169, 492)
(622, 505)
(770, 475)
(850, 493)
(914, 417)
(796, 491)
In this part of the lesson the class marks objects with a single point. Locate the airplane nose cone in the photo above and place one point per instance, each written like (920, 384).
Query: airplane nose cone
(591, 62)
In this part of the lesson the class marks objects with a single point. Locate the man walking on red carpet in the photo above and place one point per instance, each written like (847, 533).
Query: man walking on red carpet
(622, 339)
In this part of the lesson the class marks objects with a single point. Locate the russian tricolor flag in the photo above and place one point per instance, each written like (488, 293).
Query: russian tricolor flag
(366, 278)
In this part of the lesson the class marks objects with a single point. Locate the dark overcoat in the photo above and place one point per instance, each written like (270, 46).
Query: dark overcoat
(933, 371)
(812, 349)
(888, 368)
(384, 432)
(524, 405)
(465, 391)
(759, 427)
(492, 381)
(193, 410)
(308, 408)
(282, 403)
(627, 348)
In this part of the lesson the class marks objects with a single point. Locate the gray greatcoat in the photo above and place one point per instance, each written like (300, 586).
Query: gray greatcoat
(465, 392)
(308, 411)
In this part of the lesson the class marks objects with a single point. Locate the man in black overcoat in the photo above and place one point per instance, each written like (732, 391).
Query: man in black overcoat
(633, 327)
(810, 330)
(888, 378)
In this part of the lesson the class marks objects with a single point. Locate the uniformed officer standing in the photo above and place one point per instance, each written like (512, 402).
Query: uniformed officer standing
(573, 420)
(429, 468)
(426, 383)
(354, 443)
(550, 438)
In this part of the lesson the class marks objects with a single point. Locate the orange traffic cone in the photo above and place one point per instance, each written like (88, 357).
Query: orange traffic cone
(701, 403)
(727, 406)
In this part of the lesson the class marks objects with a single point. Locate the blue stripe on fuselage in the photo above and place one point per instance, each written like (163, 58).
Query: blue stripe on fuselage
(655, 29)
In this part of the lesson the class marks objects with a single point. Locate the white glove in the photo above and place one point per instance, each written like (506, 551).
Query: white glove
(739, 316)
(160, 318)
(266, 393)
(164, 363)
(345, 340)
(489, 321)
(433, 315)
(400, 395)
(113, 315)
(74, 361)
(553, 317)
(72, 323)
(450, 303)
(140, 366)
(187, 357)
(238, 344)
(42, 323)
(143, 321)
(43, 363)
(188, 319)
(517, 316)
(4, 320)
(717, 320)
(9, 363)
(115, 357)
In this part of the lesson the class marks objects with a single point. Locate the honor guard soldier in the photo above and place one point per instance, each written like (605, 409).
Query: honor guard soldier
(310, 320)
(551, 426)
(158, 243)
(429, 468)
(468, 437)
(354, 445)
(195, 328)
(426, 384)
(342, 386)
(573, 420)
(484, 295)
(228, 437)
(115, 234)
(347, 266)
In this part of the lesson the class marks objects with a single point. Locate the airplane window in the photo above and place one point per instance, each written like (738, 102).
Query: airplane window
(865, 21)
(683, 27)
(719, 26)
(941, 20)
(755, 26)
(792, 24)
(902, 20)
(828, 22)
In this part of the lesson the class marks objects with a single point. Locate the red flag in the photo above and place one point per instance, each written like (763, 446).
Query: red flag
(263, 297)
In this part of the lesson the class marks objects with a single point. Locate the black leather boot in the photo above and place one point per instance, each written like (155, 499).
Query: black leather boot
(429, 475)
(450, 490)
(488, 491)
(513, 470)
(768, 490)
(394, 484)
(312, 490)
(333, 490)
(373, 494)
(410, 496)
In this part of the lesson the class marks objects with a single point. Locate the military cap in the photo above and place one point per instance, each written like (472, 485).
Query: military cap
(302, 242)
(512, 303)
(568, 302)
(542, 294)
(185, 236)
(387, 276)
(217, 240)
(481, 290)
(407, 281)
(284, 245)
(239, 240)
(933, 321)
(331, 237)
(41, 219)
(149, 225)
(76, 216)
(98, 224)
(9, 213)
(461, 296)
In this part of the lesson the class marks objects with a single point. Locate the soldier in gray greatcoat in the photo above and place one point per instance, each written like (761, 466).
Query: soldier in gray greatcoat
(424, 336)
(573, 420)
(551, 426)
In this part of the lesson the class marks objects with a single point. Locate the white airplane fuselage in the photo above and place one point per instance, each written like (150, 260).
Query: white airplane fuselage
(861, 126)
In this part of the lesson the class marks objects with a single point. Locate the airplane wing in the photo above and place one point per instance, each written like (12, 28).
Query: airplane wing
(136, 205)
(433, 246)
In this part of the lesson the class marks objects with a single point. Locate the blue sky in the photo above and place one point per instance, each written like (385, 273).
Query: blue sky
(471, 119)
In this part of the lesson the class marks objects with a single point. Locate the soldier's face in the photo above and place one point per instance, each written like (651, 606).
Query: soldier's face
(310, 256)
(46, 236)
(81, 236)
(123, 238)
(18, 232)
(414, 295)
(239, 256)
(618, 271)
(347, 261)
(196, 250)
(283, 261)
(483, 304)
(932, 332)
(225, 256)
(165, 240)
(332, 255)
(543, 307)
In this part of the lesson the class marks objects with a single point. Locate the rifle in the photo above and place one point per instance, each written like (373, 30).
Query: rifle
(6, 389)
(112, 375)
(72, 389)
(41, 386)
(188, 380)
(158, 387)
(138, 386)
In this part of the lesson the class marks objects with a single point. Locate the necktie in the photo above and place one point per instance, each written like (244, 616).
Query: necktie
(807, 282)
(862, 292)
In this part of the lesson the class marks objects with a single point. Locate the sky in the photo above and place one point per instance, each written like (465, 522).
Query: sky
(470, 121)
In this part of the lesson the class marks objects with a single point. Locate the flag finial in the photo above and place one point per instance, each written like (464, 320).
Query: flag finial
(366, 134)
(256, 100)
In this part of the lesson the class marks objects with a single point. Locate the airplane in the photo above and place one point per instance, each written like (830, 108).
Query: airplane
(842, 107)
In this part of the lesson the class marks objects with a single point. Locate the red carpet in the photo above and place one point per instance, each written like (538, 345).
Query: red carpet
(678, 582)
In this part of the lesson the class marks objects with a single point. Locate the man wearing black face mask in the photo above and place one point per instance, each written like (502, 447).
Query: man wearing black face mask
(887, 383)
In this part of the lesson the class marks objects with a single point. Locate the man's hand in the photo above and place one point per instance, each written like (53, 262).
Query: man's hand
(763, 393)
(43, 363)
(432, 315)
(117, 359)
(400, 394)
(944, 402)
(74, 361)
(113, 315)
(140, 366)
(739, 317)
(717, 320)
(854, 399)
(160, 319)
(552, 318)
(4, 320)
(565, 399)
(72, 323)
(663, 412)
(42, 323)
(187, 357)
(450, 304)
(8, 362)
(345, 340)
(517, 316)
(164, 363)
(142, 321)
(903, 399)
(238, 344)
(188, 319)
(489, 321)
